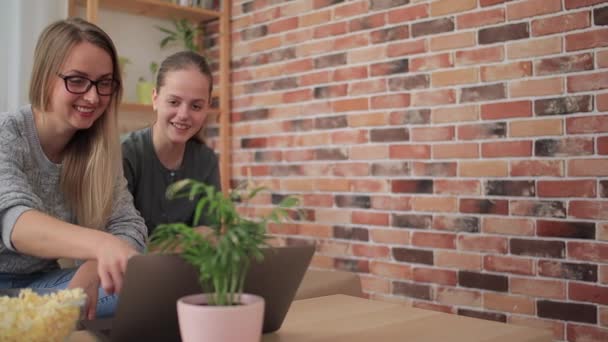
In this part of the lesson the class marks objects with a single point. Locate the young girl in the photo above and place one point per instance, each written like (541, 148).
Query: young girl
(169, 151)
(62, 192)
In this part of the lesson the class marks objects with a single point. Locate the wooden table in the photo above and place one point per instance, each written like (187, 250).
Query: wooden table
(340, 318)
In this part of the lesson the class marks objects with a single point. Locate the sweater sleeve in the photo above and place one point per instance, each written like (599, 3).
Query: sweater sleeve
(125, 222)
(16, 194)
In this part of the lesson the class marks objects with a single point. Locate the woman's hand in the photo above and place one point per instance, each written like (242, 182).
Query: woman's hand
(87, 279)
(112, 255)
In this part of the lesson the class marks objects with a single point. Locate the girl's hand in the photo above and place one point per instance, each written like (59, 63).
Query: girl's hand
(112, 255)
(87, 279)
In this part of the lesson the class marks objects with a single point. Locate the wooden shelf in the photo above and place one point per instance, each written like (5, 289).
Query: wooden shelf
(158, 9)
(135, 107)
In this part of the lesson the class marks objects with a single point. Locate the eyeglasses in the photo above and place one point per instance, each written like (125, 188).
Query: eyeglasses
(81, 85)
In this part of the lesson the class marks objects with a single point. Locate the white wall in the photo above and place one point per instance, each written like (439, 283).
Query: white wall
(21, 21)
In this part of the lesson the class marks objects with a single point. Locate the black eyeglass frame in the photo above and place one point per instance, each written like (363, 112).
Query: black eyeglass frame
(65, 78)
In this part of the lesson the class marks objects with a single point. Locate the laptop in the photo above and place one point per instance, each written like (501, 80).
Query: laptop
(147, 309)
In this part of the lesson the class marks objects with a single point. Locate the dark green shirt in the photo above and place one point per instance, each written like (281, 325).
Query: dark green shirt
(148, 178)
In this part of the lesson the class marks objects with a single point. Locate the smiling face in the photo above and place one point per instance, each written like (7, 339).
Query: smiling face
(72, 112)
(181, 104)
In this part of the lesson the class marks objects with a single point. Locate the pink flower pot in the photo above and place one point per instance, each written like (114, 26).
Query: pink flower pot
(238, 323)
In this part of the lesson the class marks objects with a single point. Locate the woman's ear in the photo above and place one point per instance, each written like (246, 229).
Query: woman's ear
(154, 98)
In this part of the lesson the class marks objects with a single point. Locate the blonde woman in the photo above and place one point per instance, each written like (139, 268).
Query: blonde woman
(62, 192)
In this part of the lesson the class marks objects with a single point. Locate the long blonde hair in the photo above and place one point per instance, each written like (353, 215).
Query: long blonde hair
(92, 158)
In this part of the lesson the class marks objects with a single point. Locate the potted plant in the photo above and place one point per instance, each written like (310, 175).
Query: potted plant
(222, 258)
(184, 32)
(144, 88)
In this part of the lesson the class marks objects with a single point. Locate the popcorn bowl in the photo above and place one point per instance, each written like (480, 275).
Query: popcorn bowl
(39, 314)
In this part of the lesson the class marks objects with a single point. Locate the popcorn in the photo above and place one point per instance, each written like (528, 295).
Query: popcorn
(32, 317)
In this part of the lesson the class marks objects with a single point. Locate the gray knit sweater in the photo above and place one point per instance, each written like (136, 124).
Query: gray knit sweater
(28, 180)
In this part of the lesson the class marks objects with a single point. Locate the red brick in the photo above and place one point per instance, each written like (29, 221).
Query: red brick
(298, 96)
(588, 167)
(588, 293)
(482, 131)
(573, 188)
(390, 270)
(434, 240)
(588, 82)
(406, 48)
(434, 275)
(455, 114)
(480, 56)
(369, 152)
(602, 146)
(601, 58)
(508, 226)
(536, 128)
(481, 18)
(351, 42)
(283, 25)
(457, 296)
(365, 23)
(534, 47)
(584, 333)
(506, 71)
(349, 73)
(509, 303)
(392, 203)
(564, 64)
(588, 124)
(410, 13)
(504, 110)
(570, 4)
(538, 287)
(506, 149)
(444, 133)
(602, 101)
(377, 219)
(390, 101)
(497, 263)
(603, 274)
(561, 23)
(390, 236)
(531, 8)
(443, 7)
(453, 41)
(536, 87)
(456, 187)
(587, 40)
(431, 62)
(459, 260)
(460, 151)
(483, 243)
(350, 105)
(485, 3)
(454, 77)
(409, 151)
(433, 97)
(371, 251)
(351, 9)
(367, 87)
(588, 251)
(484, 168)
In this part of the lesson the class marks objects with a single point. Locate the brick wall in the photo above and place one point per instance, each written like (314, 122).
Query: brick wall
(452, 152)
